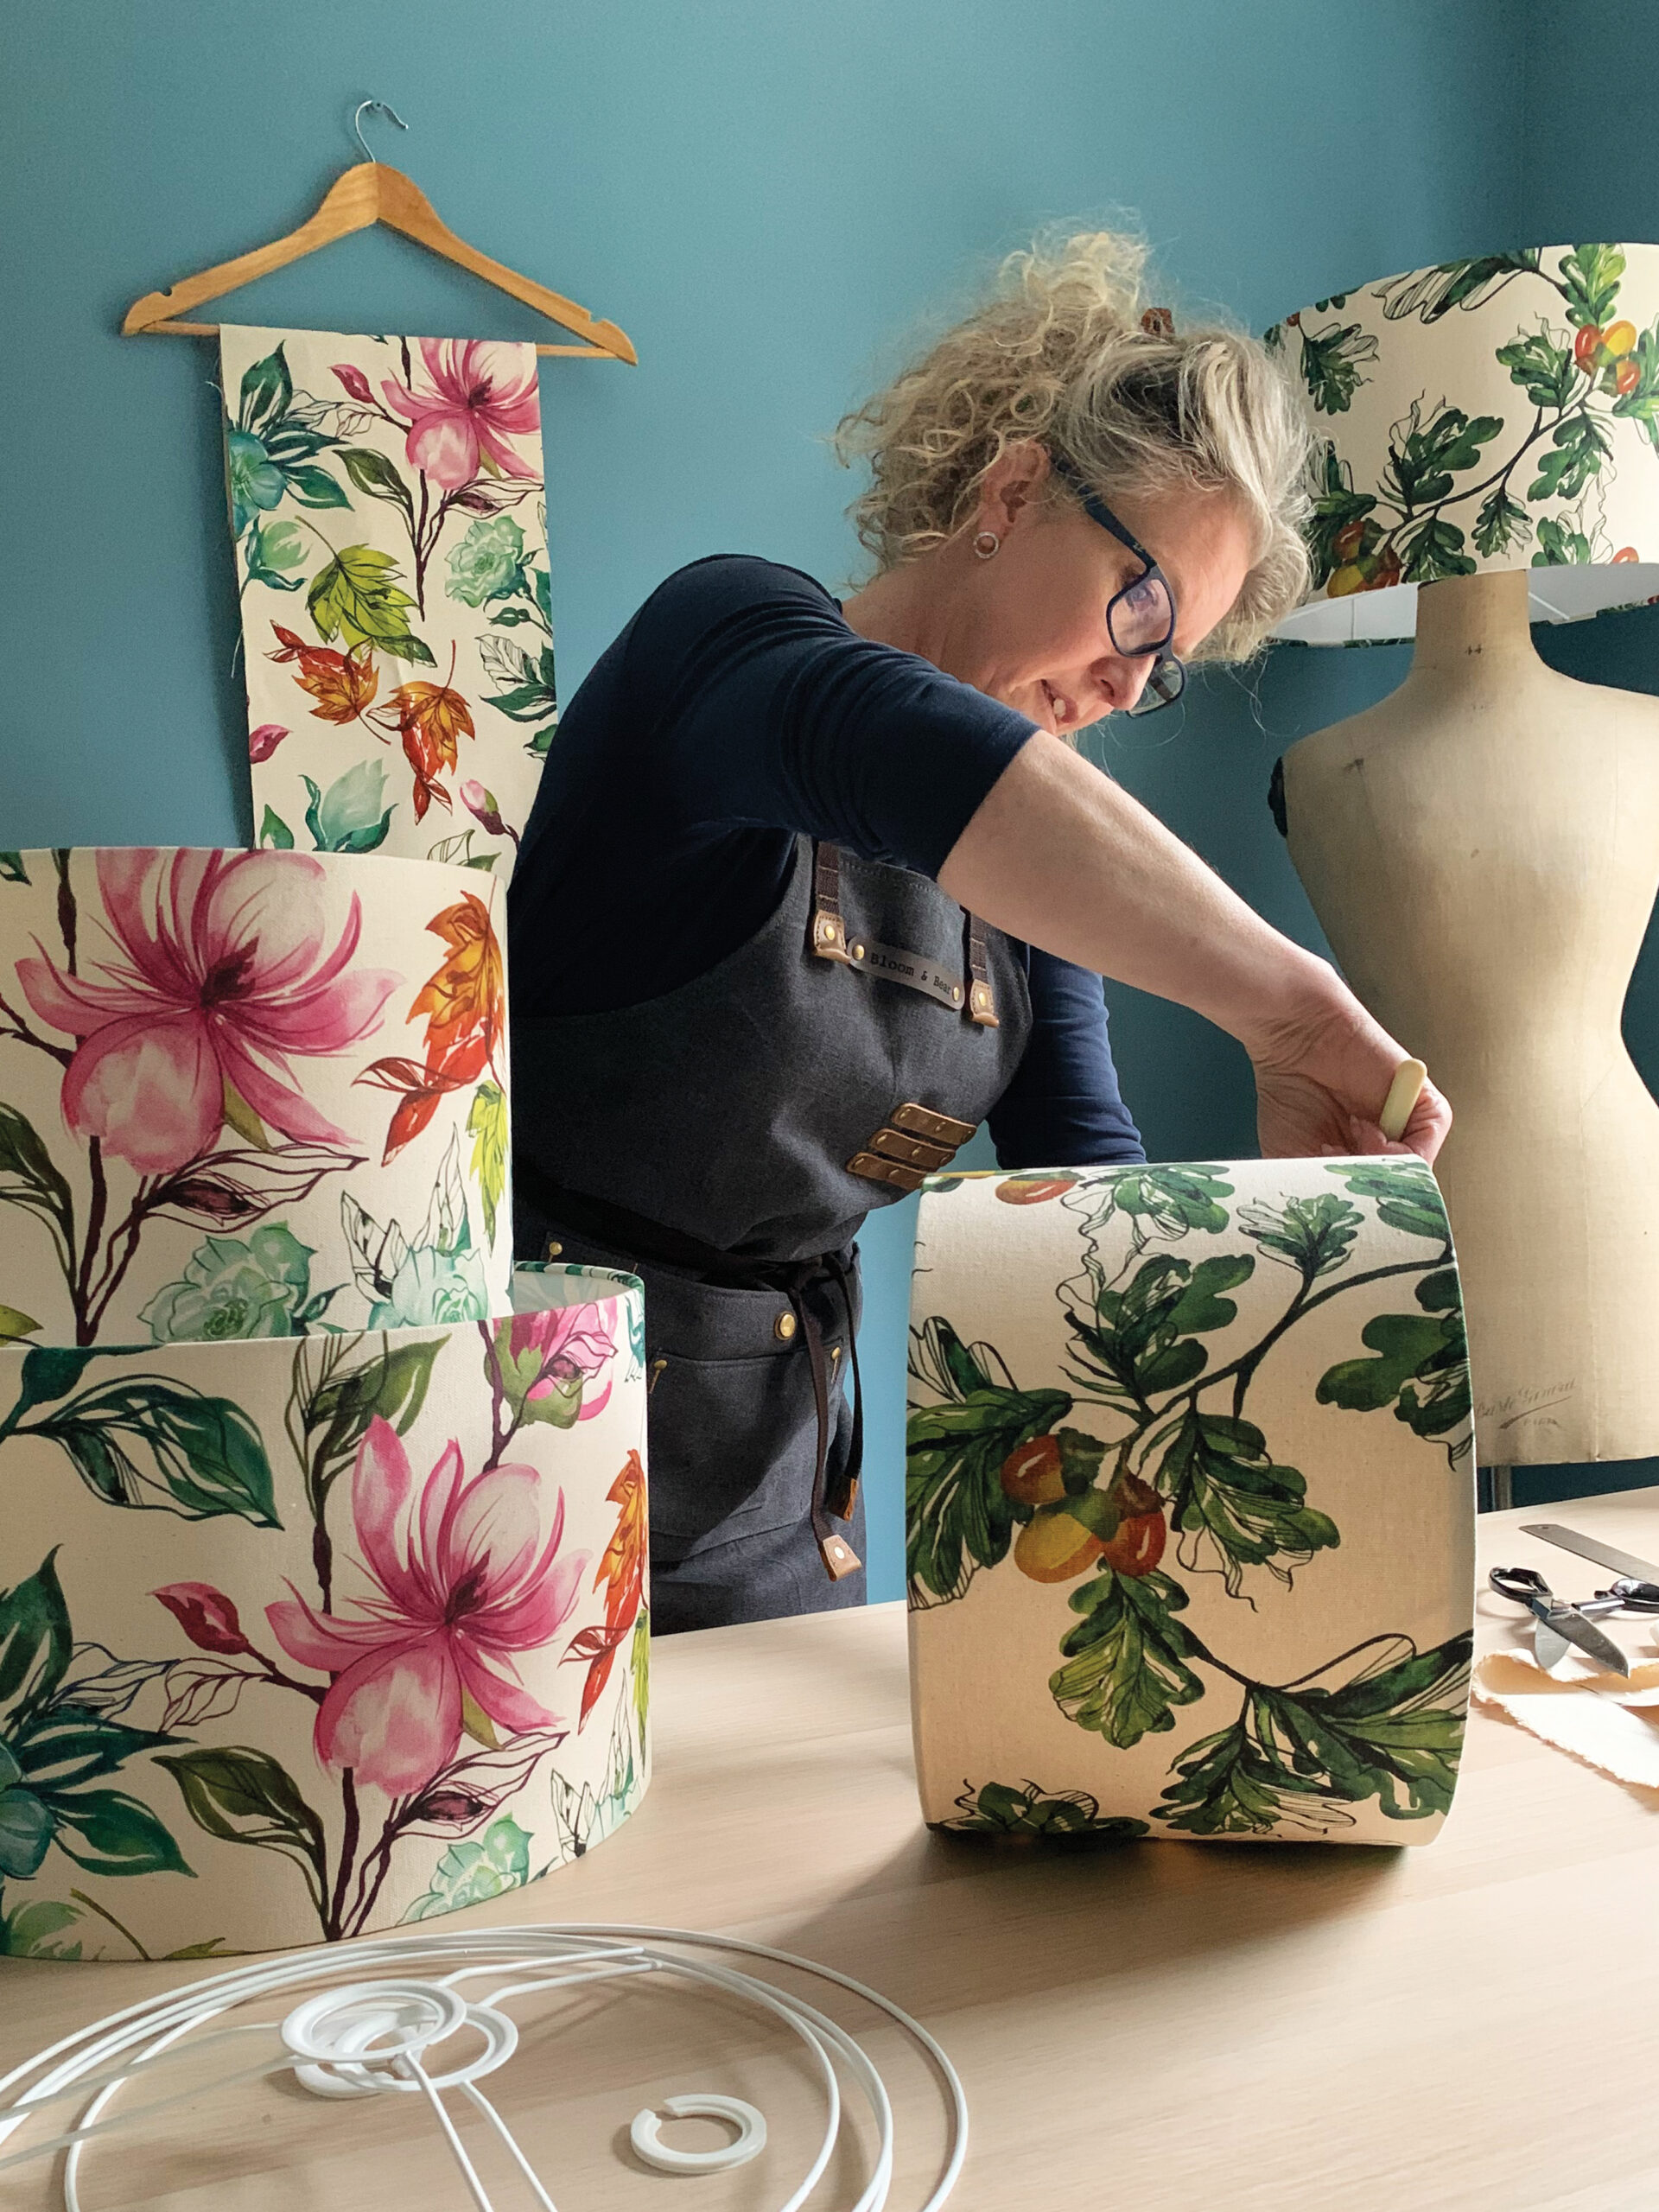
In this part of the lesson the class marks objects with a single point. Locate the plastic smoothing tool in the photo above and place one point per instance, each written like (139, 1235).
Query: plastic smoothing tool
(1403, 1093)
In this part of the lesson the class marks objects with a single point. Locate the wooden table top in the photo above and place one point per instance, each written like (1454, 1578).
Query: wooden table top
(1166, 2025)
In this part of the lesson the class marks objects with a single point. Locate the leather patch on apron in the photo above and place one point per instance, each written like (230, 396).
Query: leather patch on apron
(891, 963)
(914, 1143)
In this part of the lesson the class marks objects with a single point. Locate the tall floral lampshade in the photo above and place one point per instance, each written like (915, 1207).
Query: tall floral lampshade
(1483, 848)
(323, 1561)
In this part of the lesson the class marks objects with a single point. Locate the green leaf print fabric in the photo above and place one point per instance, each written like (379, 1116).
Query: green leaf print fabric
(1190, 1502)
(1500, 411)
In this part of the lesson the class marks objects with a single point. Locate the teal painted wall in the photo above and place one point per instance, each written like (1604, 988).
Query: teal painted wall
(767, 198)
(1572, 54)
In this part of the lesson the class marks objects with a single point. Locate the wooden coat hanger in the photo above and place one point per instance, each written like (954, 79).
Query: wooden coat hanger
(366, 194)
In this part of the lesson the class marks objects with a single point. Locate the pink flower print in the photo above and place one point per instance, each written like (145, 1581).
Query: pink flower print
(483, 395)
(265, 740)
(481, 803)
(557, 1348)
(467, 1574)
(225, 974)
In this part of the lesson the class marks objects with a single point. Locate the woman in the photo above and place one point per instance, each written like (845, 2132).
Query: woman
(810, 890)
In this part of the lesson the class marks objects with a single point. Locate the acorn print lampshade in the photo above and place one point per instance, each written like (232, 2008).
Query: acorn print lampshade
(1495, 413)
(1190, 1514)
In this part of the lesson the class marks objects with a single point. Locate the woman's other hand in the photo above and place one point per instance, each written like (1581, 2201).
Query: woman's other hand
(1322, 1076)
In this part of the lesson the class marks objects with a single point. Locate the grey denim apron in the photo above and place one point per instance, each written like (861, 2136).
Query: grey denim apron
(725, 1141)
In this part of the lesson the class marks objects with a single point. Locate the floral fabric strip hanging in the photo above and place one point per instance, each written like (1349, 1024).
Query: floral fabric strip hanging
(389, 515)
(314, 1637)
(249, 1095)
(1190, 1499)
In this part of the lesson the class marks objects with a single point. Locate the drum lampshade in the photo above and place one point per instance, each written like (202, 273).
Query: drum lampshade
(1498, 412)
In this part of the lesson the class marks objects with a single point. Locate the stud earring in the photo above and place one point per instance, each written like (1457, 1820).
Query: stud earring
(988, 544)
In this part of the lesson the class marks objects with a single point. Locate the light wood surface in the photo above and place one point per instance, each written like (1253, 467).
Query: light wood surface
(372, 193)
(1167, 2026)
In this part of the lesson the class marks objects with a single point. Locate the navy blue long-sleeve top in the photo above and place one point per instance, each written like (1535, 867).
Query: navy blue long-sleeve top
(737, 709)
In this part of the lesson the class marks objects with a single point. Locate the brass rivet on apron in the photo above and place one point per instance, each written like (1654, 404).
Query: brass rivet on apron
(956, 994)
(783, 1328)
(554, 1249)
(858, 952)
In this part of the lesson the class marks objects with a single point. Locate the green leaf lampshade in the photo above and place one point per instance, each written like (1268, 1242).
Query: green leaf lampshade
(1496, 413)
(1190, 1529)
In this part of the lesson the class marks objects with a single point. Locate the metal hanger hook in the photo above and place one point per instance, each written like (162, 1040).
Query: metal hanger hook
(373, 107)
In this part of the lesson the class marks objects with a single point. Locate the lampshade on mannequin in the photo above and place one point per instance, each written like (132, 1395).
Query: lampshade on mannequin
(1483, 847)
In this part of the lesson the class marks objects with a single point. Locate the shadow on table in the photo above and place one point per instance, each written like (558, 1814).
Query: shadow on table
(948, 1919)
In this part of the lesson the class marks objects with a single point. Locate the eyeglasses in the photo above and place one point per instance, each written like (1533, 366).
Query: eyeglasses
(1140, 618)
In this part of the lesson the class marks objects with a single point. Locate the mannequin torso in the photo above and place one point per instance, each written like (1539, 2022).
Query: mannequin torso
(1482, 850)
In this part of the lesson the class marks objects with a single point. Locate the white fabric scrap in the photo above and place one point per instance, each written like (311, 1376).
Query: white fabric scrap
(1606, 1719)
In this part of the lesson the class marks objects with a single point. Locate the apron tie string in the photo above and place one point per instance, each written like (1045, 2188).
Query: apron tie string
(839, 1558)
(619, 1230)
(846, 1491)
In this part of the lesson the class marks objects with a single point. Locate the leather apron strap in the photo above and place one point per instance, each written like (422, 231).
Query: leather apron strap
(975, 996)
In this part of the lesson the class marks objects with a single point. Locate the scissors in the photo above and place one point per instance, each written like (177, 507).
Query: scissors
(1557, 1624)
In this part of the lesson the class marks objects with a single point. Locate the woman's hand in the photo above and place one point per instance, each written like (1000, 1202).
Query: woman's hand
(1321, 1078)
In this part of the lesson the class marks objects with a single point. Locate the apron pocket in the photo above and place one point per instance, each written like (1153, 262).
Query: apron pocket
(734, 1443)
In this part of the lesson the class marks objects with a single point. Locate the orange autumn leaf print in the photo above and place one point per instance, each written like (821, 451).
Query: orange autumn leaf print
(431, 718)
(599, 1647)
(419, 1093)
(623, 1567)
(343, 684)
(465, 1002)
(436, 715)
(623, 1562)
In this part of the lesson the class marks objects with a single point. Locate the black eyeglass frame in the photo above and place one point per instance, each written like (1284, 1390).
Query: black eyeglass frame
(1166, 665)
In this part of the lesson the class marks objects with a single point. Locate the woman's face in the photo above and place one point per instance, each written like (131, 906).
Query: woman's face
(1028, 625)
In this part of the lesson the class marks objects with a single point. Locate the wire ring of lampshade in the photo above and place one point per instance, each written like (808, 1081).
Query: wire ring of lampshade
(385, 2006)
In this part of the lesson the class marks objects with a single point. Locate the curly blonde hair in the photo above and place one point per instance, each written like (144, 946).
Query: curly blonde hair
(1059, 353)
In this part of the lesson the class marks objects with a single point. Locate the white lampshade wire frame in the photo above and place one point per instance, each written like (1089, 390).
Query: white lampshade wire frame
(364, 2033)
